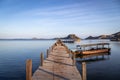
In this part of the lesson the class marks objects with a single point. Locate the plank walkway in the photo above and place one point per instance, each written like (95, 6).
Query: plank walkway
(58, 66)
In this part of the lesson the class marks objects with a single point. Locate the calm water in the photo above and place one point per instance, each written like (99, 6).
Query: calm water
(13, 55)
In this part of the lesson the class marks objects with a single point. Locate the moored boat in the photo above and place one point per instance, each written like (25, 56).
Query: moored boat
(93, 48)
(68, 41)
(115, 39)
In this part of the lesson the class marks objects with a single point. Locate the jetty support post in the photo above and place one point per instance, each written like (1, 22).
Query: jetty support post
(47, 53)
(41, 58)
(69, 53)
(74, 60)
(29, 69)
(84, 71)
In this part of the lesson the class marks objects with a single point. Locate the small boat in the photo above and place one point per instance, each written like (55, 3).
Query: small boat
(68, 41)
(115, 39)
(92, 48)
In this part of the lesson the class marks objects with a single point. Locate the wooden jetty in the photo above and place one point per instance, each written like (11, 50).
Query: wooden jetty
(115, 39)
(57, 66)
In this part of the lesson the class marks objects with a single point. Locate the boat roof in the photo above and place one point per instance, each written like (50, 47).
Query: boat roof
(86, 45)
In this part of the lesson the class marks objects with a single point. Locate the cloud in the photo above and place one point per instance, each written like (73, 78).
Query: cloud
(77, 12)
(77, 17)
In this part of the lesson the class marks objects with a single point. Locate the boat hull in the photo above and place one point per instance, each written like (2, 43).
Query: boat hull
(87, 52)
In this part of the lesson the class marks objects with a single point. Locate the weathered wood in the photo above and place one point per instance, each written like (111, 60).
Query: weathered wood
(41, 59)
(84, 72)
(69, 53)
(47, 53)
(29, 69)
(74, 60)
(72, 54)
(58, 66)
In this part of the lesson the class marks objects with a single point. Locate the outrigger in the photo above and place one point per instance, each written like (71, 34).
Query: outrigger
(92, 48)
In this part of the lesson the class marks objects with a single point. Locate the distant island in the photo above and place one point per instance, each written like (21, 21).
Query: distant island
(71, 36)
(112, 37)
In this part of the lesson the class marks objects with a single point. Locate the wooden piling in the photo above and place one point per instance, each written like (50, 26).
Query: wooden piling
(47, 53)
(52, 48)
(74, 61)
(69, 53)
(29, 69)
(41, 58)
(84, 73)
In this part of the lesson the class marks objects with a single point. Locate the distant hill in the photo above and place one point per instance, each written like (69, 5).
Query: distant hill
(115, 37)
(71, 36)
(112, 36)
(99, 37)
(91, 37)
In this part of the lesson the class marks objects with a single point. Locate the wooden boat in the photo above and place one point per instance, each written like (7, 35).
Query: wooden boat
(115, 39)
(68, 41)
(98, 48)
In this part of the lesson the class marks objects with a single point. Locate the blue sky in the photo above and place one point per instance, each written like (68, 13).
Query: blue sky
(56, 18)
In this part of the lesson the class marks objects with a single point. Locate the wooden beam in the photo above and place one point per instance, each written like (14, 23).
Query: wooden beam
(29, 69)
(84, 71)
(74, 60)
(69, 53)
(47, 53)
(41, 58)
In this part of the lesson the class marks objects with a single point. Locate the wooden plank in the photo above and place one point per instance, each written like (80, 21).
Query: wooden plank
(58, 66)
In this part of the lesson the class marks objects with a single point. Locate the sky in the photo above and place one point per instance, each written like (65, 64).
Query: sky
(58, 18)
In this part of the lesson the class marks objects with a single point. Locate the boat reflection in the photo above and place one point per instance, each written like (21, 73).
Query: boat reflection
(93, 57)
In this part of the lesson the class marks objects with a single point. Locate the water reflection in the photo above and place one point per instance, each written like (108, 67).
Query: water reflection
(86, 59)
(93, 57)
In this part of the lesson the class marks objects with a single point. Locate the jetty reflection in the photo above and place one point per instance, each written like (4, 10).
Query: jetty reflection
(93, 57)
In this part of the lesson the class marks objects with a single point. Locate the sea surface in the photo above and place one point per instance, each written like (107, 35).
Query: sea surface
(14, 53)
